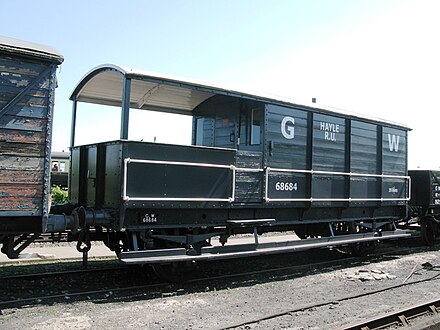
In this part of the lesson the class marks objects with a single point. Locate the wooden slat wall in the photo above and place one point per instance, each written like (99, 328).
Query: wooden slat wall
(23, 136)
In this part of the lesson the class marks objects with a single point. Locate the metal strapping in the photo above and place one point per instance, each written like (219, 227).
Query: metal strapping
(25, 91)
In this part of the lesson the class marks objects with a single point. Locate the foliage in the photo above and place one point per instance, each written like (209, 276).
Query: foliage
(59, 195)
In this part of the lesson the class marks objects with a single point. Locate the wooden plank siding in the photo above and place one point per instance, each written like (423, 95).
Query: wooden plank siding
(25, 135)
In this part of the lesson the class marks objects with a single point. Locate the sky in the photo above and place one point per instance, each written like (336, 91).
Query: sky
(376, 58)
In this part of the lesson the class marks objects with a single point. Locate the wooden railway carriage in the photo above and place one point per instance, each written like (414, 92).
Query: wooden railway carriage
(27, 88)
(257, 164)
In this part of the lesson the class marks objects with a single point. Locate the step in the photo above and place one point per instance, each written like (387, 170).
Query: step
(253, 249)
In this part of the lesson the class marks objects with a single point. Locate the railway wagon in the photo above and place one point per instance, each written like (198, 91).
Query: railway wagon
(425, 203)
(256, 164)
(60, 168)
(27, 88)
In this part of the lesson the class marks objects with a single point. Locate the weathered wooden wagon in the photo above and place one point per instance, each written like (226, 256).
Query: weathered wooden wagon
(27, 88)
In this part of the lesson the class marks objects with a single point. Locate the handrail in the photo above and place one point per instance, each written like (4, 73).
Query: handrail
(127, 198)
(266, 171)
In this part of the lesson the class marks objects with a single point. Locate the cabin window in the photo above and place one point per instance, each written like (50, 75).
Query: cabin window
(205, 131)
(62, 166)
(256, 120)
(199, 133)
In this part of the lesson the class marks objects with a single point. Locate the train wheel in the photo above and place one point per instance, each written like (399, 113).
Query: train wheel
(361, 249)
(175, 272)
(428, 231)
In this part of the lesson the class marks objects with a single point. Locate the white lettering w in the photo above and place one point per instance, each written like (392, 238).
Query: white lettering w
(393, 142)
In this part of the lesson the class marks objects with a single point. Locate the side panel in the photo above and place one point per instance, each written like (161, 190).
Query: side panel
(113, 170)
(91, 175)
(394, 162)
(26, 108)
(74, 177)
(286, 138)
(158, 172)
(425, 190)
(364, 158)
(249, 184)
(324, 160)
(434, 184)
(328, 155)
(394, 151)
(287, 147)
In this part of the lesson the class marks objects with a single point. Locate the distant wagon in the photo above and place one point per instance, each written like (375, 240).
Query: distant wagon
(425, 204)
(60, 164)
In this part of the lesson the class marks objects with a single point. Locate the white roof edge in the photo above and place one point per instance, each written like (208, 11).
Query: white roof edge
(257, 94)
(29, 48)
(238, 92)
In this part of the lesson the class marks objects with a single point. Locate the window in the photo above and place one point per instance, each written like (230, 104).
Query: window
(204, 132)
(256, 119)
(55, 167)
(199, 133)
(62, 166)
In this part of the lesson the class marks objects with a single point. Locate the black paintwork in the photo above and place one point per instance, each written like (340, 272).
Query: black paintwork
(166, 194)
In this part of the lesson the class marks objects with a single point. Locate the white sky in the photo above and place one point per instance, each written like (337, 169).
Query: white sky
(375, 57)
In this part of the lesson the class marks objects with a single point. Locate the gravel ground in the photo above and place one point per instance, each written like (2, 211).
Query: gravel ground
(247, 300)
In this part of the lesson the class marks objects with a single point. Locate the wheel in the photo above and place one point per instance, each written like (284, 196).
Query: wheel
(300, 232)
(313, 230)
(360, 249)
(363, 249)
(428, 231)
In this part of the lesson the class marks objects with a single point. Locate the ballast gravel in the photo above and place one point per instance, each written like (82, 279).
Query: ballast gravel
(279, 302)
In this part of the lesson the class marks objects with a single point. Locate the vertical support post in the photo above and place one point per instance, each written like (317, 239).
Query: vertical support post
(348, 159)
(309, 155)
(379, 160)
(330, 227)
(126, 91)
(256, 236)
(135, 244)
(73, 127)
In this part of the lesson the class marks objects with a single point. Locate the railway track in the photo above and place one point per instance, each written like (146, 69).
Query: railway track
(130, 284)
(155, 287)
(405, 317)
(35, 276)
(361, 326)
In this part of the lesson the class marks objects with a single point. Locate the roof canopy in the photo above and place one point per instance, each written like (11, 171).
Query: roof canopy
(105, 85)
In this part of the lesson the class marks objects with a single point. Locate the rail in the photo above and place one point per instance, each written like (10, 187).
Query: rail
(402, 317)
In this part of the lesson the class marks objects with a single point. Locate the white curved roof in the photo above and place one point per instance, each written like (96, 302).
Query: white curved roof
(151, 91)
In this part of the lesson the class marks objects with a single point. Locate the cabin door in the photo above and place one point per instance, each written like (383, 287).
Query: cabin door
(286, 154)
